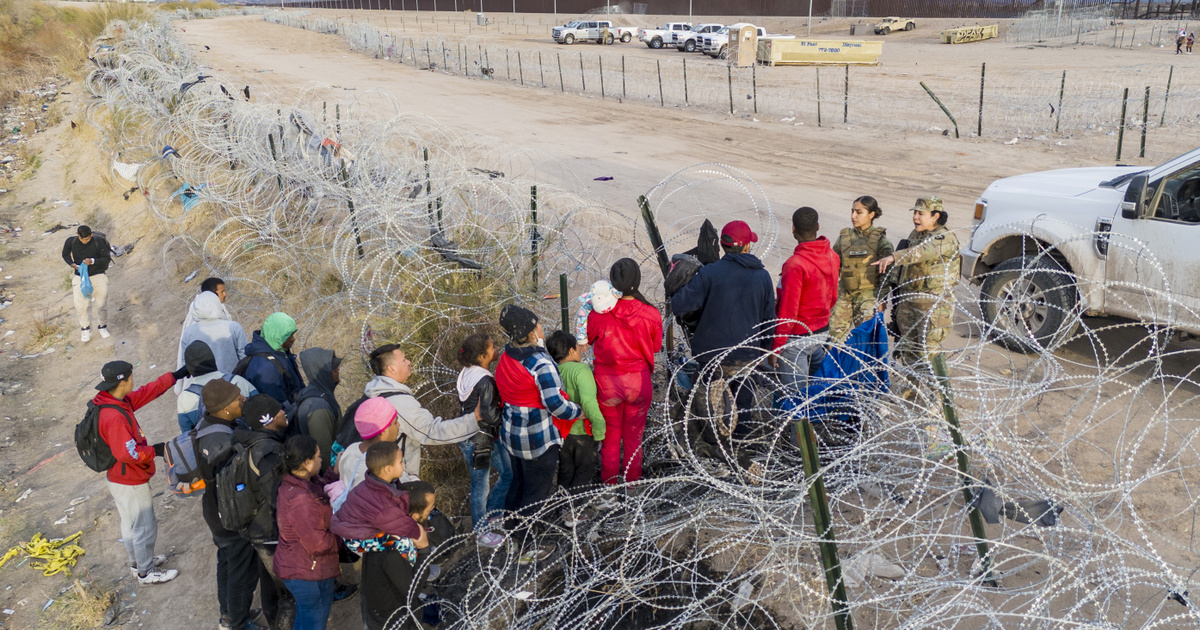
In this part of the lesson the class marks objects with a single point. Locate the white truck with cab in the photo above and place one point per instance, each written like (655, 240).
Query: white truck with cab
(1123, 241)
(664, 35)
(591, 30)
(717, 44)
(689, 41)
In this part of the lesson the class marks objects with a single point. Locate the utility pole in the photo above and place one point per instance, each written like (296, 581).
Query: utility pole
(809, 33)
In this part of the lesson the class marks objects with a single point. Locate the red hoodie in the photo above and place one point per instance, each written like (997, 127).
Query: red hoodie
(625, 338)
(807, 290)
(135, 457)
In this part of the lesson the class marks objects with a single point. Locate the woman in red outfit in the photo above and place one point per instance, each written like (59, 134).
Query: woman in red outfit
(307, 557)
(624, 340)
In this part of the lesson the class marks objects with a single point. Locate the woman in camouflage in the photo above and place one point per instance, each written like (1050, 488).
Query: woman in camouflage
(927, 272)
(858, 281)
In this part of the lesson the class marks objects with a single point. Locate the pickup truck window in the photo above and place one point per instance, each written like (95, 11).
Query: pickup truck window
(1179, 196)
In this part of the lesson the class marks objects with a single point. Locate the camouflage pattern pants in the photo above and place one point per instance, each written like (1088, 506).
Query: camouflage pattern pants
(923, 325)
(850, 310)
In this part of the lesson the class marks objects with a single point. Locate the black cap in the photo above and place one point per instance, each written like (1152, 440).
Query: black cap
(260, 410)
(517, 321)
(113, 373)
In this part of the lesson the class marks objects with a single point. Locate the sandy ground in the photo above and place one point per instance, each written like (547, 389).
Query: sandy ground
(644, 144)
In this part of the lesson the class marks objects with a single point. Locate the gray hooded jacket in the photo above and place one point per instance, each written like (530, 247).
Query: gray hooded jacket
(319, 414)
(418, 424)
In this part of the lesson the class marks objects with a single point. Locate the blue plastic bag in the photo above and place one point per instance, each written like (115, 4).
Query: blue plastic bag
(85, 283)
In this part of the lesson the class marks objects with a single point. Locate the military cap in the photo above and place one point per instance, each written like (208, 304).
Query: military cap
(929, 204)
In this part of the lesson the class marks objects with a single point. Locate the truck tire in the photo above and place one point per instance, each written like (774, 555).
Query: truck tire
(689, 46)
(1029, 303)
(610, 39)
(910, 26)
(724, 53)
(626, 38)
(655, 43)
(568, 39)
(886, 30)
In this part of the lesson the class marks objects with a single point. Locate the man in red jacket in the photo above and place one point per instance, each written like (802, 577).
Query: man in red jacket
(807, 291)
(129, 479)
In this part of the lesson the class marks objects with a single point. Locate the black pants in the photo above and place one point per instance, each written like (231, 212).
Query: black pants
(576, 462)
(237, 574)
(270, 588)
(533, 480)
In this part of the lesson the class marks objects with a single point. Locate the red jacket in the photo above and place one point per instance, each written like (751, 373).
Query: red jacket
(375, 507)
(625, 338)
(807, 290)
(135, 457)
(307, 549)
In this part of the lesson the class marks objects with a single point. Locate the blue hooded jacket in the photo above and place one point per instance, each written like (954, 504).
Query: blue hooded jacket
(262, 373)
(736, 303)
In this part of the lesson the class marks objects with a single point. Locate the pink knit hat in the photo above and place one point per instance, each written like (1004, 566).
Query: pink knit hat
(373, 416)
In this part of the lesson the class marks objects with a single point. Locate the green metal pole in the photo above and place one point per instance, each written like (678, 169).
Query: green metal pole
(939, 103)
(660, 250)
(1166, 95)
(824, 526)
(563, 301)
(534, 237)
(982, 74)
(1121, 130)
(1062, 88)
(1145, 121)
(818, 69)
(846, 98)
(960, 453)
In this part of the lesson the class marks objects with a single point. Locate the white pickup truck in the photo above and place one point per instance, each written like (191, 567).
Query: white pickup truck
(591, 30)
(1124, 241)
(689, 41)
(664, 35)
(717, 44)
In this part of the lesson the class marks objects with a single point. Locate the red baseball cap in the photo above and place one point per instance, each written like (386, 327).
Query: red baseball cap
(737, 234)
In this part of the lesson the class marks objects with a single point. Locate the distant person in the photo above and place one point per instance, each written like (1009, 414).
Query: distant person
(225, 337)
(807, 291)
(421, 426)
(1191, 39)
(271, 366)
(215, 286)
(482, 454)
(1179, 42)
(624, 341)
(858, 282)
(318, 413)
(201, 367)
(129, 478)
(89, 252)
(307, 557)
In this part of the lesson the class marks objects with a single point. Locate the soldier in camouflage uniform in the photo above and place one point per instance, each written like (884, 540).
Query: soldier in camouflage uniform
(927, 272)
(858, 282)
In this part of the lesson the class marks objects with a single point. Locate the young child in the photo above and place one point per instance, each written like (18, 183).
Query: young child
(375, 420)
(602, 298)
(483, 455)
(375, 515)
(577, 459)
(387, 576)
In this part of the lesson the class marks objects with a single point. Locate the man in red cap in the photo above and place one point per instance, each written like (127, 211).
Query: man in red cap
(735, 303)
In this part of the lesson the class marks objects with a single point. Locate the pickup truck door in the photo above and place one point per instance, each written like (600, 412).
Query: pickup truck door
(1154, 260)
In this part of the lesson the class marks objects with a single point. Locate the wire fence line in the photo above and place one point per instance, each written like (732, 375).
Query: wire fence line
(1081, 106)
(340, 215)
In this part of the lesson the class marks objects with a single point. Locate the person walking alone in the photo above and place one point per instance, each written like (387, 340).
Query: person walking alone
(624, 340)
(89, 253)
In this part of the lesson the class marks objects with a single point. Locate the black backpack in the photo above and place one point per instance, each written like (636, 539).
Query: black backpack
(348, 433)
(239, 495)
(93, 450)
(309, 400)
(244, 364)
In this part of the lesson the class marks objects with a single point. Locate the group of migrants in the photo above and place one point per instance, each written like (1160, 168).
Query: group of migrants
(292, 486)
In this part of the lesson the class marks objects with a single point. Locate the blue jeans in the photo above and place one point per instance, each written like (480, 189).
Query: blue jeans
(481, 500)
(313, 601)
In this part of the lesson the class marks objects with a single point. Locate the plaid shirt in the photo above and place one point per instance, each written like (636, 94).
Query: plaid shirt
(529, 432)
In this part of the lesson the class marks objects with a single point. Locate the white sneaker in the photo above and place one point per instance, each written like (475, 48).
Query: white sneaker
(491, 540)
(155, 562)
(86, 335)
(104, 332)
(158, 577)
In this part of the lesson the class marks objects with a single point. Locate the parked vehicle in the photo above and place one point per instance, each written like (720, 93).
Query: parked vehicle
(894, 24)
(591, 30)
(717, 44)
(664, 35)
(689, 41)
(1099, 241)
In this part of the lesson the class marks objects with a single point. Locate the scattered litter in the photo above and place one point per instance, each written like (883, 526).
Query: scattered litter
(603, 179)
(788, 119)
(63, 520)
(58, 227)
(191, 276)
(864, 565)
(79, 500)
(58, 555)
(9, 611)
(153, 366)
(47, 605)
(119, 251)
(1013, 141)
(523, 595)
(24, 495)
(35, 355)
(742, 597)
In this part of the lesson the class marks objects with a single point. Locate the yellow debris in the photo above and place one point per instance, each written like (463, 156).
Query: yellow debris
(57, 554)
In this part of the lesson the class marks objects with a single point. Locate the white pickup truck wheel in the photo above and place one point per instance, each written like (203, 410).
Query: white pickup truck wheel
(626, 38)
(724, 54)
(1029, 303)
(689, 46)
(655, 43)
(569, 39)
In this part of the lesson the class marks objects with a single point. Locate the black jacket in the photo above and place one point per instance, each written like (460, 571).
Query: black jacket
(216, 450)
(386, 580)
(266, 451)
(735, 303)
(74, 253)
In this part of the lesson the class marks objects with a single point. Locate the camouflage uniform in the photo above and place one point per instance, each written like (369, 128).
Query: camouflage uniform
(858, 281)
(927, 272)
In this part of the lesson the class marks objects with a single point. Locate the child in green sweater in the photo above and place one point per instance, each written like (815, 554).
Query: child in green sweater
(581, 438)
